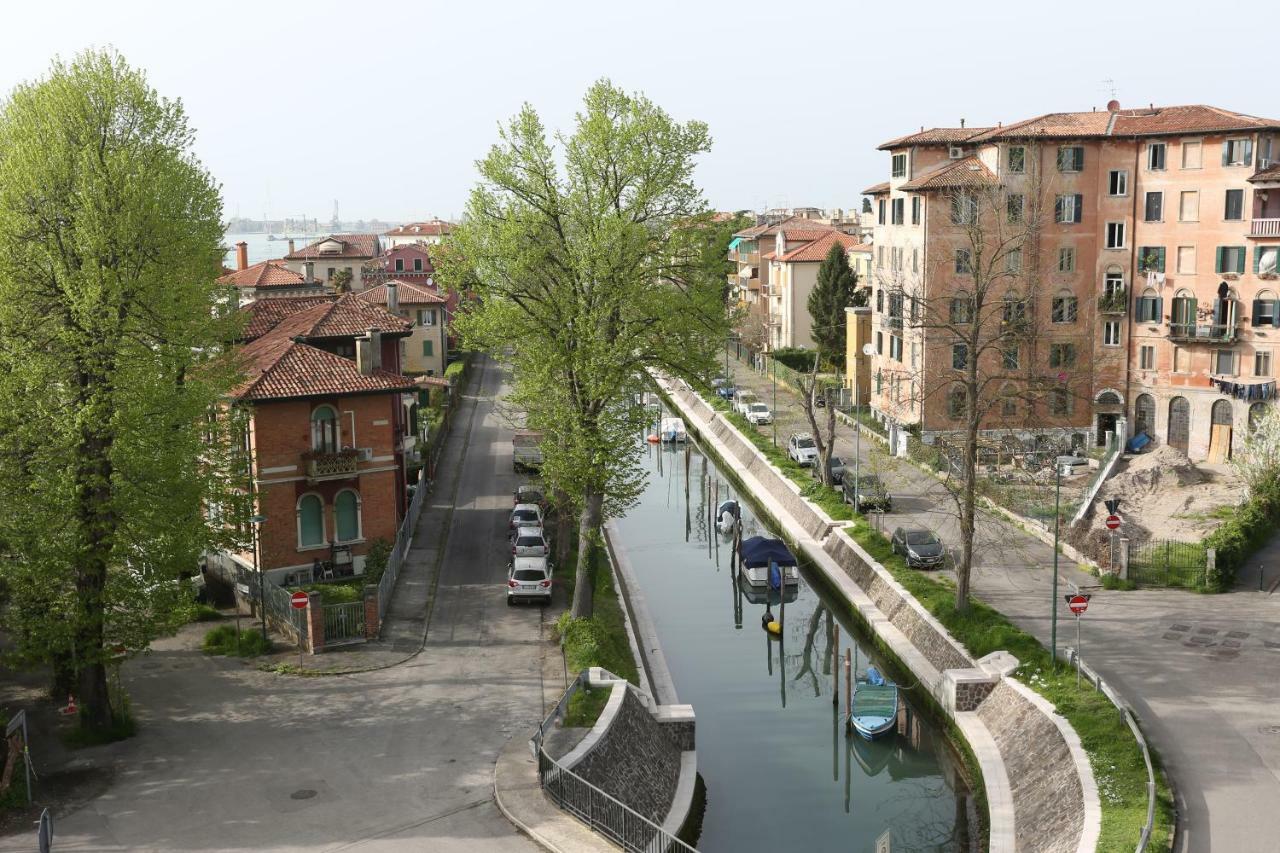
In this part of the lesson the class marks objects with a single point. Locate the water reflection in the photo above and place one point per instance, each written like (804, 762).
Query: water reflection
(768, 730)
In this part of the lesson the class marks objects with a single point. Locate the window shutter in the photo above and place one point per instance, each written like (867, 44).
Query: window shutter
(1248, 152)
(1275, 313)
(1159, 310)
(1160, 259)
(1139, 308)
(1057, 209)
(1226, 151)
(1221, 253)
(1079, 207)
(1240, 259)
(1256, 319)
(1079, 157)
(1062, 157)
(1257, 260)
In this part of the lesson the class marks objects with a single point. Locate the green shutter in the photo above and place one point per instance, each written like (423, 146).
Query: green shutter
(311, 521)
(427, 349)
(1240, 259)
(1222, 250)
(347, 515)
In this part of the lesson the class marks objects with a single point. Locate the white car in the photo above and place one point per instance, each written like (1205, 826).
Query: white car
(525, 515)
(759, 414)
(802, 449)
(529, 542)
(529, 579)
(743, 402)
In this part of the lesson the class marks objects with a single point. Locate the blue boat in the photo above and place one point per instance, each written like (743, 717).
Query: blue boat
(757, 555)
(875, 705)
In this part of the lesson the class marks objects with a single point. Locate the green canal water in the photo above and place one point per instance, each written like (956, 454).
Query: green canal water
(780, 772)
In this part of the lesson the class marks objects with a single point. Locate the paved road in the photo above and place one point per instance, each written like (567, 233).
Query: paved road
(394, 760)
(1202, 672)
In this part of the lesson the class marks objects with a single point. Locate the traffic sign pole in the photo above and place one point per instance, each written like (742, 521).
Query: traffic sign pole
(1079, 603)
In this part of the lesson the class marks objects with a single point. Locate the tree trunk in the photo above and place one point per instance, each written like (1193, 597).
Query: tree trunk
(969, 470)
(588, 530)
(564, 526)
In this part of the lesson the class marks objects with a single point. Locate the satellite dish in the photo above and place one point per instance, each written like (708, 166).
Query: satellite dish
(868, 349)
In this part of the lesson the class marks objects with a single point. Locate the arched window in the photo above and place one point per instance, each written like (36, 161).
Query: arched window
(956, 398)
(324, 429)
(1109, 398)
(346, 511)
(1113, 281)
(1182, 318)
(1059, 401)
(1179, 423)
(310, 521)
(1064, 308)
(1264, 309)
(961, 308)
(1144, 414)
(1221, 412)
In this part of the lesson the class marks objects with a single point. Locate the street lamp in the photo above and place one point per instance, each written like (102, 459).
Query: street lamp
(774, 410)
(867, 350)
(256, 522)
(1057, 503)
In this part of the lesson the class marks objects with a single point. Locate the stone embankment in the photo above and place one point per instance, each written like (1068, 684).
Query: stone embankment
(1040, 789)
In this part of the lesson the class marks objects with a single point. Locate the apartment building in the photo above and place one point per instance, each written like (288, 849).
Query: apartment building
(1151, 272)
(426, 233)
(266, 280)
(751, 251)
(326, 256)
(793, 271)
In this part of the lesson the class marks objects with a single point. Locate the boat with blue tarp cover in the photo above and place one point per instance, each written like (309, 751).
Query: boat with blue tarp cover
(758, 554)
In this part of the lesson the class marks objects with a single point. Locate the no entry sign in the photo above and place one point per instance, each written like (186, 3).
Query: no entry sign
(1078, 603)
(298, 600)
(1113, 522)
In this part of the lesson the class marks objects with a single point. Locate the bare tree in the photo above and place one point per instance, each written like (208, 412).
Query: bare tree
(824, 437)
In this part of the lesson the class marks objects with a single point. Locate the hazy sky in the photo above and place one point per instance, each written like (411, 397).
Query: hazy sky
(386, 106)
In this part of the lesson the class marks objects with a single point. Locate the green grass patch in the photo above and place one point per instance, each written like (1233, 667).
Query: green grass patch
(345, 592)
(223, 641)
(205, 613)
(1110, 581)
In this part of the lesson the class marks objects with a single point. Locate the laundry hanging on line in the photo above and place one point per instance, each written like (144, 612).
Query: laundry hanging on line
(1247, 390)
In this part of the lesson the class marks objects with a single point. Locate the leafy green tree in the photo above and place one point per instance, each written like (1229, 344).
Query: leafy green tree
(835, 291)
(589, 264)
(341, 280)
(111, 325)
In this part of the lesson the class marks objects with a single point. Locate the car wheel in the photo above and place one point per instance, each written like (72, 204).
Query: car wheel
(510, 602)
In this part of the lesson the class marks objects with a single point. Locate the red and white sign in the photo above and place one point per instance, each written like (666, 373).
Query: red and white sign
(298, 600)
(1113, 522)
(1078, 604)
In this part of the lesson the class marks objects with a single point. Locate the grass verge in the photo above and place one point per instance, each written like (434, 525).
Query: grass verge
(224, 640)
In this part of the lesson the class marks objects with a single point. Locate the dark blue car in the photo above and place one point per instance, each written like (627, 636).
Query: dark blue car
(726, 392)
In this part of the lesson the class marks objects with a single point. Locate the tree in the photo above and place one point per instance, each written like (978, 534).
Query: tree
(341, 280)
(835, 291)
(111, 324)
(824, 435)
(590, 267)
(1258, 462)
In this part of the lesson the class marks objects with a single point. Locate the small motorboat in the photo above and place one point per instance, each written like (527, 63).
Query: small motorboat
(672, 431)
(875, 705)
(767, 563)
(728, 516)
(765, 595)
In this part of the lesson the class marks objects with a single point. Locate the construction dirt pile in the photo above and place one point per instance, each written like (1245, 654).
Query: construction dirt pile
(1163, 495)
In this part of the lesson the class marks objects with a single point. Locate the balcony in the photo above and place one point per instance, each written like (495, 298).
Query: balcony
(1208, 333)
(1112, 303)
(1265, 228)
(331, 466)
(890, 321)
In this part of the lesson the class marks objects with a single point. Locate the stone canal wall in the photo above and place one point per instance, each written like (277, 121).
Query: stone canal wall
(1040, 790)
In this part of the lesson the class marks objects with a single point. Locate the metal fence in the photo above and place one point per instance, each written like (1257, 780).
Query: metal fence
(1164, 562)
(280, 612)
(400, 550)
(343, 623)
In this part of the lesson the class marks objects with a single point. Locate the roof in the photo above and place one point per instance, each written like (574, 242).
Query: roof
(266, 274)
(791, 222)
(408, 294)
(877, 189)
(966, 172)
(1271, 173)
(264, 314)
(818, 249)
(353, 246)
(344, 317)
(933, 136)
(759, 551)
(1148, 121)
(433, 228)
(806, 233)
(434, 381)
(278, 367)
(865, 248)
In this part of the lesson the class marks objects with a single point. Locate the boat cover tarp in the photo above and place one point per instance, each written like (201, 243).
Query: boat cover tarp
(759, 551)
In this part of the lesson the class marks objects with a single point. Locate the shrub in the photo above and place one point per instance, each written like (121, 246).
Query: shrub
(797, 358)
(375, 562)
(222, 641)
(1245, 530)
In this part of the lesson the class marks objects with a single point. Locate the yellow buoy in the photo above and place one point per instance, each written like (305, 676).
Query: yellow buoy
(774, 627)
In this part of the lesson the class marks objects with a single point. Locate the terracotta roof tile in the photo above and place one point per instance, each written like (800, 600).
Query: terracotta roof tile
(433, 228)
(808, 232)
(877, 189)
(1053, 125)
(264, 314)
(1271, 173)
(352, 246)
(768, 230)
(967, 172)
(266, 274)
(278, 367)
(409, 294)
(933, 136)
(818, 249)
(1147, 121)
(344, 317)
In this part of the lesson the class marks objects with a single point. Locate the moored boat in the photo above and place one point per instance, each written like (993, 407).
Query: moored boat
(759, 558)
(875, 705)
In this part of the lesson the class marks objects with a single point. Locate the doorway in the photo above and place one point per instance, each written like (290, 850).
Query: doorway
(1179, 423)
(1220, 432)
(1106, 424)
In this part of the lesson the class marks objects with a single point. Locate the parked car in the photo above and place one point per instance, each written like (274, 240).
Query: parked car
(921, 548)
(759, 414)
(529, 579)
(527, 494)
(742, 402)
(525, 515)
(529, 542)
(726, 392)
(802, 449)
(867, 494)
(835, 465)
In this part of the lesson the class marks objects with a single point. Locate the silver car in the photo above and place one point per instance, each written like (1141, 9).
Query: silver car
(529, 542)
(525, 515)
(529, 579)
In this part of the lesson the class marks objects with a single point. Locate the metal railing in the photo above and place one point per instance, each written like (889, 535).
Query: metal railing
(1164, 562)
(343, 623)
(1265, 228)
(322, 466)
(281, 613)
(400, 550)
(1210, 332)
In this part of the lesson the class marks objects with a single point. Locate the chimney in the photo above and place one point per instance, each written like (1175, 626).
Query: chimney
(1113, 106)
(291, 245)
(242, 255)
(393, 295)
(961, 123)
(309, 271)
(375, 348)
(363, 358)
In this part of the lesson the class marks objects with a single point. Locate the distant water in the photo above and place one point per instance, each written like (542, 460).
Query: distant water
(260, 248)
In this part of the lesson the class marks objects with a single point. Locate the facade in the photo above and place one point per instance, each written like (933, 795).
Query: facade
(426, 349)
(267, 280)
(1152, 272)
(411, 263)
(794, 273)
(751, 251)
(326, 256)
(430, 233)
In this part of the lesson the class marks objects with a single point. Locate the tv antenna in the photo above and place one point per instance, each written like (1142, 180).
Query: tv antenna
(1109, 85)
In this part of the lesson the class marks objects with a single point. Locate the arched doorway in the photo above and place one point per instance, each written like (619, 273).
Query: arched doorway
(1179, 423)
(1220, 432)
(1108, 407)
(1144, 414)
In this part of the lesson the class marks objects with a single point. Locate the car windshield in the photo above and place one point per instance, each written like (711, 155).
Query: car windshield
(530, 575)
(532, 496)
(525, 515)
(804, 443)
(759, 407)
(528, 541)
(836, 462)
(921, 537)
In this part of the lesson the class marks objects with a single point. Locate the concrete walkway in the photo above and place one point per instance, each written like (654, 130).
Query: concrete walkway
(1201, 671)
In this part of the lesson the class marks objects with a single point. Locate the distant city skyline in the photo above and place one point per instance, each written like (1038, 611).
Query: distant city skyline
(296, 104)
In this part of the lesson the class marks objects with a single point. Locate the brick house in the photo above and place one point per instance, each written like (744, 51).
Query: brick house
(426, 233)
(411, 263)
(326, 256)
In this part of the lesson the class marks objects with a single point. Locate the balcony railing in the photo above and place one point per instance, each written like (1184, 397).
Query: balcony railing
(1112, 303)
(1265, 228)
(1210, 333)
(332, 466)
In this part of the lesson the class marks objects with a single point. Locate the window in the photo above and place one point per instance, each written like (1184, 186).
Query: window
(417, 264)
(880, 208)
(332, 270)
(1234, 209)
(1151, 259)
(1265, 260)
(1189, 206)
(1186, 260)
(1009, 404)
(1256, 413)
(1070, 158)
(1059, 401)
(1147, 357)
(879, 343)
(1015, 204)
(1262, 363)
(1149, 308)
(1062, 355)
(1237, 152)
(1063, 309)
(895, 348)
(1224, 362)
(1154, 207)
(964, 262)
(880, 256)
(1013, 261)
(956, 402)
(346, 512)
(428, 349)
(1181, 360)
(1155, 156)
(1113, 281)
(898, 211)
(1111, 333)
(1191, 154)
(1014, 311)
(310, 521)
(1265, 311)
(324, 429)
(959, 356)
(1066, 260)
(426, 316)
(964, 208)
(1230, 259)
(1009, 357)
(879, 301)
(915, 210)
(1067, 208)
(899, 165)
(961, 309)
(915, 260)
(1017, 159)
(1115, 235)
(399, 264)
(1117, 182)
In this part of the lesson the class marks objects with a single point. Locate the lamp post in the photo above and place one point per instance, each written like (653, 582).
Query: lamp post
(256, 521)
(774, 410)
(1057, 503)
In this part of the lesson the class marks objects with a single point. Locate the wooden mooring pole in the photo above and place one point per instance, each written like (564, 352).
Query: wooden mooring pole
(835, 666)
(848, 690)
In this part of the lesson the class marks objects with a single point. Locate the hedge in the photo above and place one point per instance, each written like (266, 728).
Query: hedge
(1250, 526)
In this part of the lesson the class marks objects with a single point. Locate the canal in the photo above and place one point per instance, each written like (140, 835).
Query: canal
(780, 772)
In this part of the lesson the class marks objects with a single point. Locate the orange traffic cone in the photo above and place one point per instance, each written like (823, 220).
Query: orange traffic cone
(71, 706)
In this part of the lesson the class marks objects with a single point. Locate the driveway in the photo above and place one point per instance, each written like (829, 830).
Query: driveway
(1201, 671)
(229, 758)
